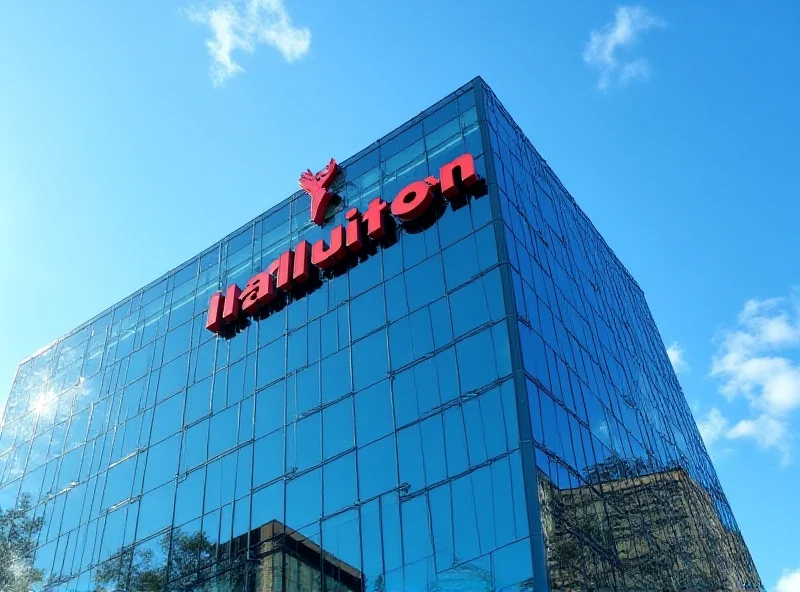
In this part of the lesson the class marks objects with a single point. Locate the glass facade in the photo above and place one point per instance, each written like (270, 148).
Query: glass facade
(478, 401)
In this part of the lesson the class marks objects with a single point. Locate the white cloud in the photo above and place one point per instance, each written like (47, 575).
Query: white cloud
(677, 356)
(632, 70)
(604, 46)
(712, 427)
(244, 24)
(789, 582)
(754, 361)
(768, 432)
(751, 359)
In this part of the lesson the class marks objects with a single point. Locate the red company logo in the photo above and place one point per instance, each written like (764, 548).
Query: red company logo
(317, 187)
(296, 267)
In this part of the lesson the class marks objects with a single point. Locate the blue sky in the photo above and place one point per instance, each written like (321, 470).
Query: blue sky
(133, 135)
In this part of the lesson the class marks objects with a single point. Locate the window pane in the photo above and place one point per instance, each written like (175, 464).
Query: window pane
(340, 483)
(377, 468)
(162, 462)
(271, 362)
(156, 510)
(373, 413)
(167, 418)
(370, 360)
(224, 431)
(268, 506)
(303, 500)
(269, 409)
(189, 498)
(172, 377)
(337, 423)
(269, 458)
(304, 443)
(368, 312)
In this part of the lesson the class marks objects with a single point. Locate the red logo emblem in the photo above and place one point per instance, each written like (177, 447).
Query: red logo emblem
(317, 187)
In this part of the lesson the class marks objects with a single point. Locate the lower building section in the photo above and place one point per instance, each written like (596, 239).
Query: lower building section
(640, 530)
(283, 560)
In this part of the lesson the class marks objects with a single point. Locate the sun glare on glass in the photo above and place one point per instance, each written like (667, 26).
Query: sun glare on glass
(41, 403)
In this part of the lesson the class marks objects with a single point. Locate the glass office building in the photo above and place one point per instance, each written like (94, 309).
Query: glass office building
(473, 397)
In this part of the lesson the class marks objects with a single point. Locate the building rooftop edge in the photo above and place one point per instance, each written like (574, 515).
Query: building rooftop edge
(586, 218)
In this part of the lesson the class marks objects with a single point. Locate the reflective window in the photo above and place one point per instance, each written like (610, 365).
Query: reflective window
(119, 483)
(269, 455)
(271, 362)
(370, 360)
(339, 482)
(269, 409)
(172, 377)
(336, 376)
(304, 499)
(195, 443)
(189, 497)
(198, 401)
(368, 312)
(373, 413)
(267, 506)
(304, 442)
(156, 510)
(162, 462)
(377, 472)
(167, 418)
(223, 431)
(338, 430)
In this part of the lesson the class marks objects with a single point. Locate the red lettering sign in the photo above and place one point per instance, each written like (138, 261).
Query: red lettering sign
(214, 318)
(412, 201)
(258, 292)
(324, 255)
(231, 306)
(457, 175)
(296, 267)
(354, 236)
(375, 217)
(282, 268)
(302, 262)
